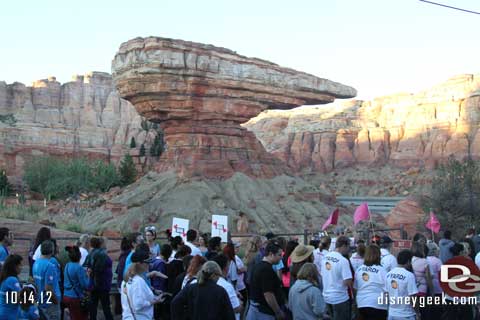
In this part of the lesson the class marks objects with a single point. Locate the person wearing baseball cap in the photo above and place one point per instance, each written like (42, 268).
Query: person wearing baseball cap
(136, 296)
(141, 256)
(388, 260)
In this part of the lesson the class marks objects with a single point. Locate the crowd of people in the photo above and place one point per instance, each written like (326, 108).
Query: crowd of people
(336, 278)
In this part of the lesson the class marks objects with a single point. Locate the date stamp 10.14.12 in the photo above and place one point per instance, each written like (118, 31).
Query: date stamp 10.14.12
(28, 297)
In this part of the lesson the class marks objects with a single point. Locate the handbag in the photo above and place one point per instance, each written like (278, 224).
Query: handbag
(85, 300)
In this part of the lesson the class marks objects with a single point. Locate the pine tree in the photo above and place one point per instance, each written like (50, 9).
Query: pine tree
(142, 150)
(127, 170)
(133, 144)
(157, 147)
(5, 187)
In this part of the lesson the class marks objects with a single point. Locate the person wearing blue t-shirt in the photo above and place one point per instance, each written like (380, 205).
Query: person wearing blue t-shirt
(75, 282)
(138, 240)
(9, 287)
(47, 276)
(28, 310)
(6, 240)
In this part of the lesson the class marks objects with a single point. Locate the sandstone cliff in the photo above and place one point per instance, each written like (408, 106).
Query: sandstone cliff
(402, 130)
(201, 94)
(85, 117)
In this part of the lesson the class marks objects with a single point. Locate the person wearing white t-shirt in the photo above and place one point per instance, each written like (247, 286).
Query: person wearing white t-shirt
(224, 262)
(370, 285)
(337, 279)
(388, 260)
(191, 238)
(241, 270)
(357, 258)
(321, 252)
(339, 231)
(400, 284)
(84, 246)
(477, 259)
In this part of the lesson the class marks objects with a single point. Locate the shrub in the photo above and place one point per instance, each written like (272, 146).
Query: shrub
(456, 190)
(127, 170)
(74, 227)
(20, 212)
(57, 178)
(105, 176)
(44, 175)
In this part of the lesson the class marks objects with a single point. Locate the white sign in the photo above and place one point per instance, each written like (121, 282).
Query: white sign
(180, 228)
(220, 227)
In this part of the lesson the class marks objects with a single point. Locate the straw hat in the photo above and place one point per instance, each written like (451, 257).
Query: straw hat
(301, 252)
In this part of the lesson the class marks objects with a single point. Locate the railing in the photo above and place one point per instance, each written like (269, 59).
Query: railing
(382, 205)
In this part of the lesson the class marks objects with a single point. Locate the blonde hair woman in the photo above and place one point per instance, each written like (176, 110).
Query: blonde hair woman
(305, 298)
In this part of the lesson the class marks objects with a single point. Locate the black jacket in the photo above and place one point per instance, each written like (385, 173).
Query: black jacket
(202, 302)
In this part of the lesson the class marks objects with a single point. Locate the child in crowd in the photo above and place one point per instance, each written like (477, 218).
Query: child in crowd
(28, 310)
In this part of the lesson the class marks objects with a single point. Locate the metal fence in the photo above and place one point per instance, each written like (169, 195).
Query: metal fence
(381, 205)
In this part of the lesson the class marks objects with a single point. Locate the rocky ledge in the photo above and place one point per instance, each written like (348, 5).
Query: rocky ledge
(200, 94)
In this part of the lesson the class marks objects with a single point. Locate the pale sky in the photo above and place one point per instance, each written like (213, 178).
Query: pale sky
(377, 46)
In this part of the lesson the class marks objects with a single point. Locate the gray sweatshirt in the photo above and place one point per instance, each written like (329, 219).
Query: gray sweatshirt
(305, 300)
(445, 245)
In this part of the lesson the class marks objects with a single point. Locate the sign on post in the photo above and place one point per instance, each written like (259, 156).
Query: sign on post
(402, 244)
(220, 227)
(180, 228)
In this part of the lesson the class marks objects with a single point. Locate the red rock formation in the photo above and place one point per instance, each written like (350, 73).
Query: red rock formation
(403, 130)
(200, 94)
(84, 117)
(408, 213)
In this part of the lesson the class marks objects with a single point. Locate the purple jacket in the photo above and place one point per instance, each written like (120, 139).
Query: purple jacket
(101, 265)
(159, 283)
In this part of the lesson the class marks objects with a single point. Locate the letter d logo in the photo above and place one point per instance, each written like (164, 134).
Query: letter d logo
(460, 277)
(444, 275)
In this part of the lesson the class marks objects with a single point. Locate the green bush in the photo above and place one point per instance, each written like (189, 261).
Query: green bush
(456, 191)
(127, 170)
(105, 176)
(74, 227)
(19, 212)
(8, 119)
(43, 174)
(57, 178)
